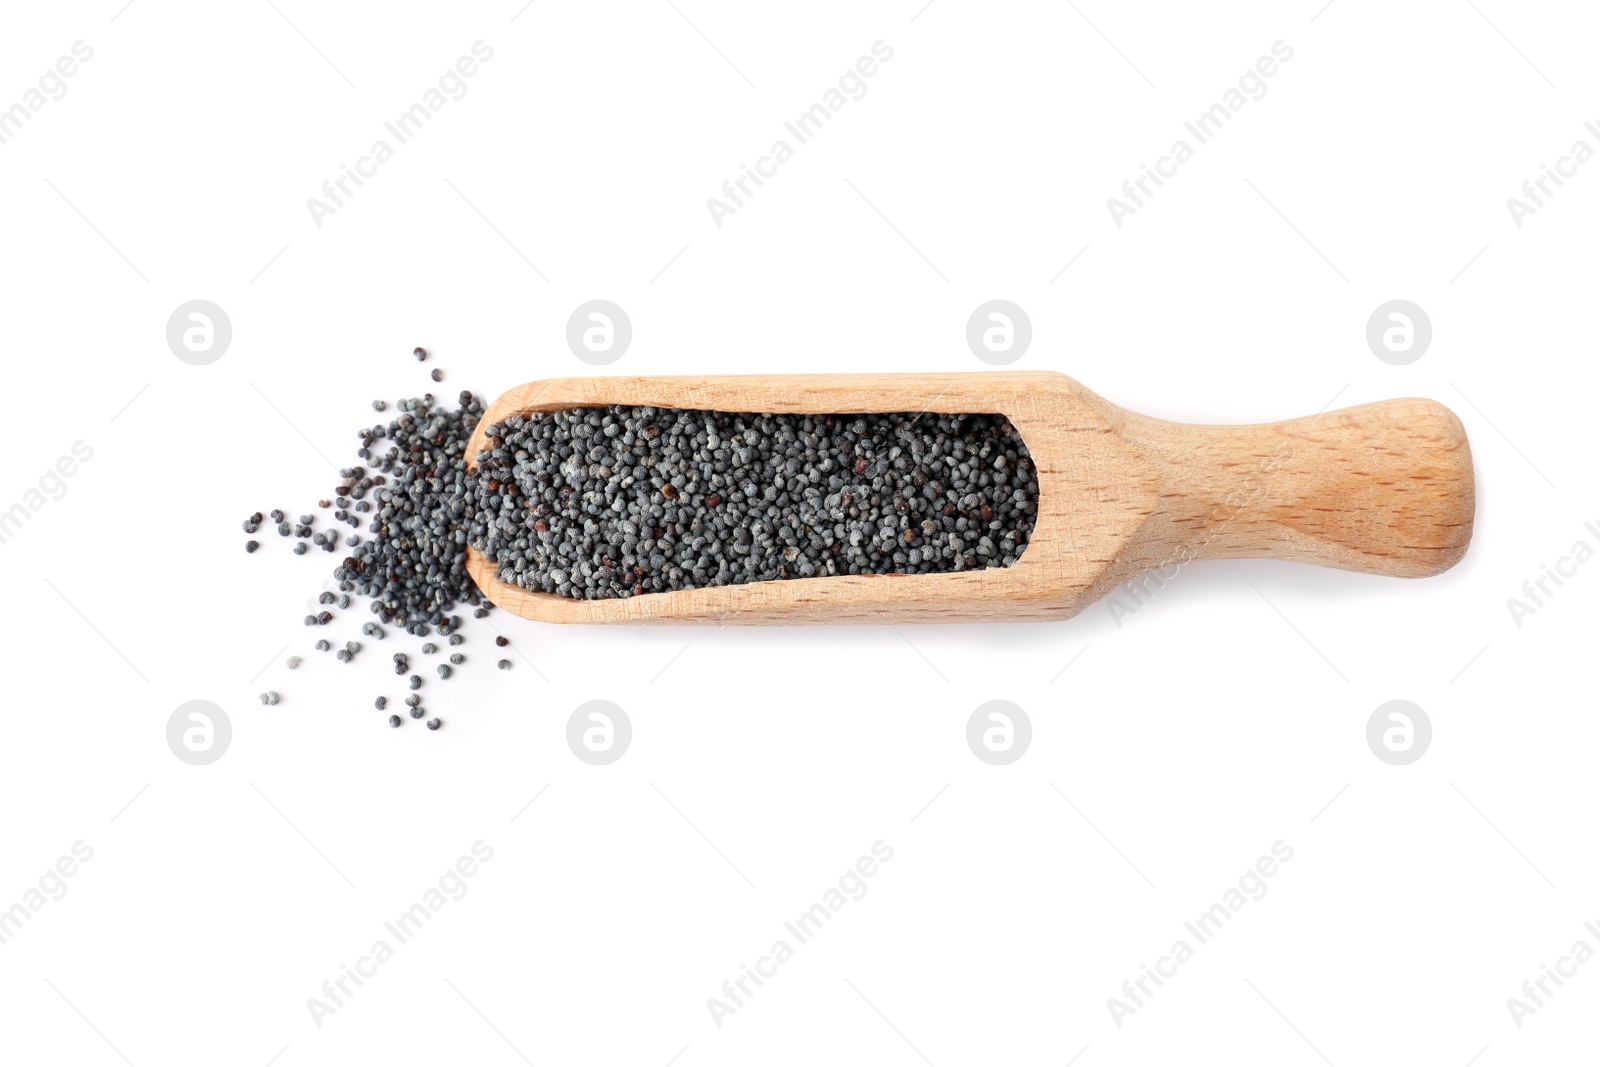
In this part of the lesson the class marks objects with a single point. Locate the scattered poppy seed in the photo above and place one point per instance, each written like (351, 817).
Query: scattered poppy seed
(433, 724)
(414, 513)
(504, 665)
(394, 720)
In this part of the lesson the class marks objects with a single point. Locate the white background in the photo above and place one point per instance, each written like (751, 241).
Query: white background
(1172, 752)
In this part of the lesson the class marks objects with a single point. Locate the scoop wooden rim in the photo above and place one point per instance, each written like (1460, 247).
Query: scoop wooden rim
(1385, 488)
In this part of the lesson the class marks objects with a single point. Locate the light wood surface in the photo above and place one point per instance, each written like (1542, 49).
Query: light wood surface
(1384, 488)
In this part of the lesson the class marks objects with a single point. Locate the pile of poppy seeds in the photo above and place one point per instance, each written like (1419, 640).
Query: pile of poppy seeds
(595, 503)
(621, 501)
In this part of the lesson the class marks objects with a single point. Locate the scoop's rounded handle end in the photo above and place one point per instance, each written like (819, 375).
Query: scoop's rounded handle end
(1384, 488)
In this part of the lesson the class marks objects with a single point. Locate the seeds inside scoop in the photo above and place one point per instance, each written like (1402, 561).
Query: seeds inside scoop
(596, 503)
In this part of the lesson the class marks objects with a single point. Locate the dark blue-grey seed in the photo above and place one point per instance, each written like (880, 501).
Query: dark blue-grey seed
(394, 720)
(251, 546)
(381, 703)
(504, 665)
(433, 724)
(444, 670)
(458, 659)
(415, 682)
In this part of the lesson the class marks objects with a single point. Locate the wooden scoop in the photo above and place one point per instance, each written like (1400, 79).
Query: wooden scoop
(1384, 488)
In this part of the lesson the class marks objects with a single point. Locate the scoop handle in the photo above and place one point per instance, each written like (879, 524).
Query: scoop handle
(1384, 488)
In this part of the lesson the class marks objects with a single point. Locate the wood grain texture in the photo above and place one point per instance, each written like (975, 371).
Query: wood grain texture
(1385, 488)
